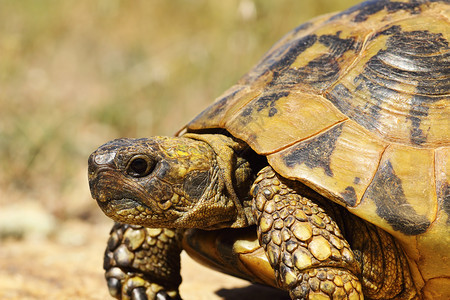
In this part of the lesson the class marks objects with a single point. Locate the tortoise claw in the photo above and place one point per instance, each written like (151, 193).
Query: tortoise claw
(139, 294)
(162, 295)
(114, 287)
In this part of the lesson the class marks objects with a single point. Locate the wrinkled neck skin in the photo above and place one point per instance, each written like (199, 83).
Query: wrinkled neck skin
(236, 176)
(194, 181)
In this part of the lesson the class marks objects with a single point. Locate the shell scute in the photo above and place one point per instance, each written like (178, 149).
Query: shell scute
(356, 106)
(316, 152)
(233, 251)
(402, 78)
(326, 58)
(338, 163)
(403, 191)
(279, 112)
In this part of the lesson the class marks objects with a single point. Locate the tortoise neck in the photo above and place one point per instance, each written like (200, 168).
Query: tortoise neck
(234, 158)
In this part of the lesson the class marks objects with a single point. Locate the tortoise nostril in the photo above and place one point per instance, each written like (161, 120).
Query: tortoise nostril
(96, 161)
(104, 158)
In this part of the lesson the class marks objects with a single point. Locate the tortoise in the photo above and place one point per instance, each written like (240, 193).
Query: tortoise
(323, 172)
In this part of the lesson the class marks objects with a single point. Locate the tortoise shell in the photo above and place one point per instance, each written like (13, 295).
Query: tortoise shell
(356, 106)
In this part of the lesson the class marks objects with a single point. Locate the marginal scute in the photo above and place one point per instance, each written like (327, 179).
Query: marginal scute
(442, 159)
(434, 246)
(316, 152)
(408, 204)
(267, 130)
(225, 105)
(330, 162)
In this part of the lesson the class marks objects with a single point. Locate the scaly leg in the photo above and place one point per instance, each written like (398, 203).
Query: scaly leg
(143, 263)
(311, 258)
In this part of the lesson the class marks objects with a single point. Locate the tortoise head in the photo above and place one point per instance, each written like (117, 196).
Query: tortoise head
(161, 182)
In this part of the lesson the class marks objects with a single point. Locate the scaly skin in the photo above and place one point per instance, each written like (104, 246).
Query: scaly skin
(143, 263)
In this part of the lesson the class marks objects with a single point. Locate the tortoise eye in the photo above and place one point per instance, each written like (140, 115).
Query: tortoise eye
(140, 166)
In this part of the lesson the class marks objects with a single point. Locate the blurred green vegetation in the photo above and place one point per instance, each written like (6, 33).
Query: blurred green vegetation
(75, 74)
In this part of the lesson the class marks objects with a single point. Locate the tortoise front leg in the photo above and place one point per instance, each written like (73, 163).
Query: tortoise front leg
(304, 245)
(143, 263)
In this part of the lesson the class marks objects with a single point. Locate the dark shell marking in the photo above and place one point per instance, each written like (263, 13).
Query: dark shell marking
(264, 102)
(315, 152)
(284, 57)
(445, 199)
(367, 9)
(387, 191)
(320, 72)
(349, 196)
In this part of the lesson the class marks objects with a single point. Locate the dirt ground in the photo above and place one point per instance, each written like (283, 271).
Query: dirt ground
(69, 266)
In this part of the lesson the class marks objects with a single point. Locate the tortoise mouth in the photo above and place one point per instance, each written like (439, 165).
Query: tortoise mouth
(126, 210)
(122, 205)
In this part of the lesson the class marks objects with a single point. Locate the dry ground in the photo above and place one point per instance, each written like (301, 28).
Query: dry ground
(58, 268)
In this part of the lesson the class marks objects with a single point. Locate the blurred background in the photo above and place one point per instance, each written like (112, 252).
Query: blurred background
(75, 74)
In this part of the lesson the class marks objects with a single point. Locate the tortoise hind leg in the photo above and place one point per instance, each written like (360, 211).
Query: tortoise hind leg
(304, 245)
(143, 263)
